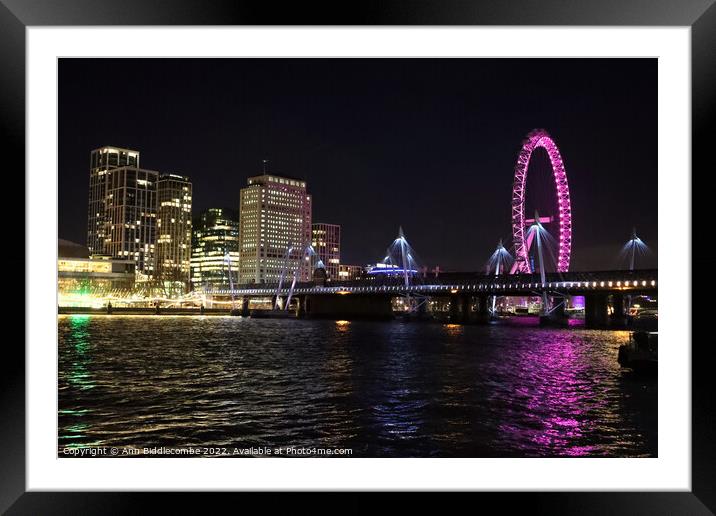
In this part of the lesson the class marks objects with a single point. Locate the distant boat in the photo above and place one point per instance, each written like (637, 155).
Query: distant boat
(641, 353)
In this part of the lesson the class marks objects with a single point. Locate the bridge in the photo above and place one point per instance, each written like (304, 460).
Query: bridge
(469, 293)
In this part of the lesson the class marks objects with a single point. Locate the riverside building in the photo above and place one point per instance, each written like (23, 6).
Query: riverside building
(274, 214)
(103, 160)
(326, 241)
(130, 214)
(215, 249)
(173, 245)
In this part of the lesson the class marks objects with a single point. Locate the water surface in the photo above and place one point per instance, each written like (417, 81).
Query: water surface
(382, 389)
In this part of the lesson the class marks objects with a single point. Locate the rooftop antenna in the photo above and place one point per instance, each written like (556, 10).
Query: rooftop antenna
(264, 164)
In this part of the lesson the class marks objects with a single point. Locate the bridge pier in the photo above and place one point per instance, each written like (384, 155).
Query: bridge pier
(245, 306)
(556, 317)
(595, 311)
(454, 314)
(466, 308)
(618, 317)
(460, 309)
(423, 310)
(300, 306)
(483, 309)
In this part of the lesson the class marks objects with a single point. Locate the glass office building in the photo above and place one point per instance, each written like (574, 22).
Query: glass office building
(215, 249)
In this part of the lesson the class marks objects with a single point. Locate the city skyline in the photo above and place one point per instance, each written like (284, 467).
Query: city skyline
(358, 241)
(372, 198)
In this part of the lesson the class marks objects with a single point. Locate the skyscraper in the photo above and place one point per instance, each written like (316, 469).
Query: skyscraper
(326, 240)
(173, 246)
(275, 213)
(130, 210)
(103, 160)
(215, 237)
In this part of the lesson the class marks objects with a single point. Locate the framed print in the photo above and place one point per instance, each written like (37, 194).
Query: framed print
(411, 249)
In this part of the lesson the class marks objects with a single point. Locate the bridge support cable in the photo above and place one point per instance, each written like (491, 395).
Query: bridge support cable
(499, 262)
(283, 274)
(227, 258)
(306, 256)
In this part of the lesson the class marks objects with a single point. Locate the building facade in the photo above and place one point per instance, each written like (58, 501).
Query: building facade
(85, 281)
(130, 218)
(274, 214)
(215, 249)
(350, 272)
(174, 226)
(326, 241)
(100, 274)
(103, 160)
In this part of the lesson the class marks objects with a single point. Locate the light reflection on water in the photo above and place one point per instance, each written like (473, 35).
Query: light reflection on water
(382, 389)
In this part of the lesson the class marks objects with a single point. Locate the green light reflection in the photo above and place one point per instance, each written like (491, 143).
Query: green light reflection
(77, 376)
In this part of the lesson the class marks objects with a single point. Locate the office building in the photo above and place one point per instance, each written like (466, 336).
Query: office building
(130, 212)
(215, 249)
(274, 213)
(173, 244)
(103, 160)
(326, 241)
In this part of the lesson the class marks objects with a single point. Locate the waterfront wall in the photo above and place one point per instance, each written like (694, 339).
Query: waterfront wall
(141, 311)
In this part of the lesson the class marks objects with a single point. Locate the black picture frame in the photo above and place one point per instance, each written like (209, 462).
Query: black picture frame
(17, 15)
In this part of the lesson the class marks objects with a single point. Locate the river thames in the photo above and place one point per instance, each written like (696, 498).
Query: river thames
(380, 389)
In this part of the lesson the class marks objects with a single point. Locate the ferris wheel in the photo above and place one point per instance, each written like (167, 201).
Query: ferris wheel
(560, 214)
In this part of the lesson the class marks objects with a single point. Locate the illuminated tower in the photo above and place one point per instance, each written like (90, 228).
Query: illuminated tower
(103, 160)
(326, 241)
(215, 248)
(130, 210)
(173, 246)
(274, 214)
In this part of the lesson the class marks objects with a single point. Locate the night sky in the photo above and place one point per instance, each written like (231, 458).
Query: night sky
(429, 144)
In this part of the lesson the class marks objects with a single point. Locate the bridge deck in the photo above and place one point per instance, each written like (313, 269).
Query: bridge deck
(470, 283)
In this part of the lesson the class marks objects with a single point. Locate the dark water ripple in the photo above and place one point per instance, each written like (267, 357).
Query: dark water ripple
(382, 389)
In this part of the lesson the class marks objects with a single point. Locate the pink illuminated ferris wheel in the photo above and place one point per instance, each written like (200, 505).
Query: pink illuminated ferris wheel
(522, 238)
